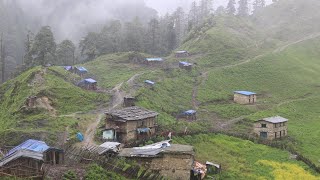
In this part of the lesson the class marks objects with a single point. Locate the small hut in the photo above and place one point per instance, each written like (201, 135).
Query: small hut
(149, 83)
(185, 65)
(244, 97)
(190, 115)
(81, 71)
(89, 84)
(68, 68)
(26, 159)
(181, 54)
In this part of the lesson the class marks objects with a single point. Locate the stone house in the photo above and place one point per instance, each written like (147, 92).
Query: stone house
(131, 123)
(173, 161)
(271, 128)
(244, 97)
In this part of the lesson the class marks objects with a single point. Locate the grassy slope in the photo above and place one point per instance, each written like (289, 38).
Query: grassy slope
(282, 77)
(242, 159)
(64, 97)
(110, 70)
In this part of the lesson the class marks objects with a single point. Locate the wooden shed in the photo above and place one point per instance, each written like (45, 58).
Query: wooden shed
(88, 84)
(271, 128)
(131, 123)
(245, 97)
(173, 161)
(26, 160)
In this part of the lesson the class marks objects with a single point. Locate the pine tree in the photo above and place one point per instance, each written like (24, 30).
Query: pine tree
(243, 9)
(193, 16)
(2, 58)
(44, 47)
(65, 53)
(231, 7)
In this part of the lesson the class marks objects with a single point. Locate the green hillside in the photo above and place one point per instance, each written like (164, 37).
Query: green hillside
(240, 159)
(57, 96)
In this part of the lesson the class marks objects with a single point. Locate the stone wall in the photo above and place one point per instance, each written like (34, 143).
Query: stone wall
(172, 166)
(243, 99)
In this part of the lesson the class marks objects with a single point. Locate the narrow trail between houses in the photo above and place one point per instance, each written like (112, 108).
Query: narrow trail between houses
(116, 101)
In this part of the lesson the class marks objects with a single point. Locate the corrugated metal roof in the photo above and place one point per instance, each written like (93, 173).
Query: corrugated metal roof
(149, 82)
(190, 112)
(276, 119)
(82, 69)
(180, 52)
(185, 63)
(31, 145)
(154, 59)
(68, 68)
(156, 150)
(247, 93)
(90, 80)
(133, 113)
(30, 148)
(21, 153)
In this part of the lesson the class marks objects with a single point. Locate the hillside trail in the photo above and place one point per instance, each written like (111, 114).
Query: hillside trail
(116, 101)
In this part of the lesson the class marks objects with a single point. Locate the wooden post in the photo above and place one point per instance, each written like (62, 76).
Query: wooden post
(54, 157)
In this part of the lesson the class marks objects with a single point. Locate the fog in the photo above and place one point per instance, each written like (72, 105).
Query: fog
(72, 19)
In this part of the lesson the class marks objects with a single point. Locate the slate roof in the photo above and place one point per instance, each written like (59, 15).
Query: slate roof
(276, 119)
(133, 113)
(246, 93)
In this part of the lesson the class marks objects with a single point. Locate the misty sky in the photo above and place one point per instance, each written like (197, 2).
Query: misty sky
(164, 6)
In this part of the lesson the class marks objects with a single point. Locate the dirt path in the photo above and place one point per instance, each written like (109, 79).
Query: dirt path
(116, 101)
(195, 103)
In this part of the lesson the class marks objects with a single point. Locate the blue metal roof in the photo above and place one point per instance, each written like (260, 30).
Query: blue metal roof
(31, 145)
(185, 63)
(90, 80)
(67, 68)
(247, 93)
(82, 69)
(154, 59)
(190, 112)
(149, 82)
